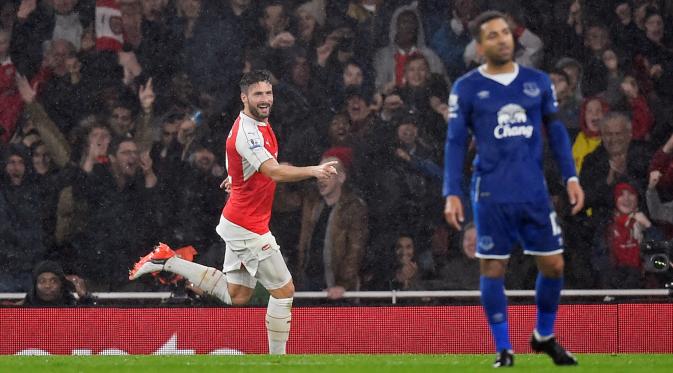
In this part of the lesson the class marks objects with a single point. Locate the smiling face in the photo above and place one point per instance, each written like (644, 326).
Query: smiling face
(332, 185)
(258, 100)
(627, 202)
(404, 250)
(41, 159)
(616, 135)
(417, 72)
(15, 169)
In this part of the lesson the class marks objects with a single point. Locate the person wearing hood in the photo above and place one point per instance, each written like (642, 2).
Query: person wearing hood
(406, 39)
(21, 239)
(52, 288)
(589, 138)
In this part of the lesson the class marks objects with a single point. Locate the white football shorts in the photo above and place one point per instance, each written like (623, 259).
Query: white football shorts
(258, 258)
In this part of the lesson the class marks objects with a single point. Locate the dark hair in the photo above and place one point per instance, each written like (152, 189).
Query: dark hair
(253, 77)
(174, 117)
(116, 142)
(484, 17)
(404, 117)
(651, 11)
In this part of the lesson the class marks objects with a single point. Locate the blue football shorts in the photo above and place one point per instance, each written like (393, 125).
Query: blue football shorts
(500, 226)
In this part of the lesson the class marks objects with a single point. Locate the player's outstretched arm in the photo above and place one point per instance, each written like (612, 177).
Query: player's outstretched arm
(283, 173)
(453, 212)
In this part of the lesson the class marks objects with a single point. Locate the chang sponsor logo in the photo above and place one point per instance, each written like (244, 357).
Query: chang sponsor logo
(508, 117)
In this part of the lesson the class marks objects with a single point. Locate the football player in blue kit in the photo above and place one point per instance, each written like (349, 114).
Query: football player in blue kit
(509, 109)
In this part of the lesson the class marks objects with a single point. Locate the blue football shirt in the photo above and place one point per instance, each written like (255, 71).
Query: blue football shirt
(508, 120)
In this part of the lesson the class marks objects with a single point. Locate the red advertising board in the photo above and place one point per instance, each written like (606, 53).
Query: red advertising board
(448, 329)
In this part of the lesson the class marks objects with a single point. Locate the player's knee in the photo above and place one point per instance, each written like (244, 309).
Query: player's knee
(493, 267)
(553, 269)
(285, 291)
(240, 299)
(290, 289)
(240, 295)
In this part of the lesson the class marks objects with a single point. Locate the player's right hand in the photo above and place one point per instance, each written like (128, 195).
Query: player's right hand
(453, 212)
(326, 170)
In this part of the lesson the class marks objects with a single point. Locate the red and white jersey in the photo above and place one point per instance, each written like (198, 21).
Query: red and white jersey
(248, 209)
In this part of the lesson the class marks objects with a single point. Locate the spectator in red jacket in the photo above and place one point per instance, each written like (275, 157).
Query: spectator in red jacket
(10, 100)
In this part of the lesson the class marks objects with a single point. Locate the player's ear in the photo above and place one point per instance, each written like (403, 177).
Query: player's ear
(244, 97)
(479, 47)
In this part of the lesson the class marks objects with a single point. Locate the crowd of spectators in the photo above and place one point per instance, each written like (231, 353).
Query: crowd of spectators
(113, 116)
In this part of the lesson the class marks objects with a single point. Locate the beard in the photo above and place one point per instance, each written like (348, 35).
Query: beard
(497, 59)
(254, 110)
(500, 60)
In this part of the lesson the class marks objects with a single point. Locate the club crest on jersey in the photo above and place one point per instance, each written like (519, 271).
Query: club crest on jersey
(531, 89)
(486, 243)
(508, 117)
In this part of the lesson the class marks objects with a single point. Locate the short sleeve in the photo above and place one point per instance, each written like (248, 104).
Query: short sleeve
(250, 145)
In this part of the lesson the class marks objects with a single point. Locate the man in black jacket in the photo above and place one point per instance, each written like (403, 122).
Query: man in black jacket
(121, 198)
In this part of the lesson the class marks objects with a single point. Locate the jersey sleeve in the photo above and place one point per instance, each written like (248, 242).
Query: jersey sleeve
(250, 145)
(456, 141)
(559, 141)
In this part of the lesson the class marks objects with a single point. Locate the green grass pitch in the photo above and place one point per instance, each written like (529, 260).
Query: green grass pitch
(327, 363)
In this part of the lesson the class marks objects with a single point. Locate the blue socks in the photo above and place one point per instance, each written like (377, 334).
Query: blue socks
(547, 295)
(494, 302)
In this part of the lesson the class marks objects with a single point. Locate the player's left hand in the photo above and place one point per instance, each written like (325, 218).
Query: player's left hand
(576, 196)
(226, 184)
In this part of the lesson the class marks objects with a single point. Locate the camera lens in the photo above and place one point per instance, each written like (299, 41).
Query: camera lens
(659, 262)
